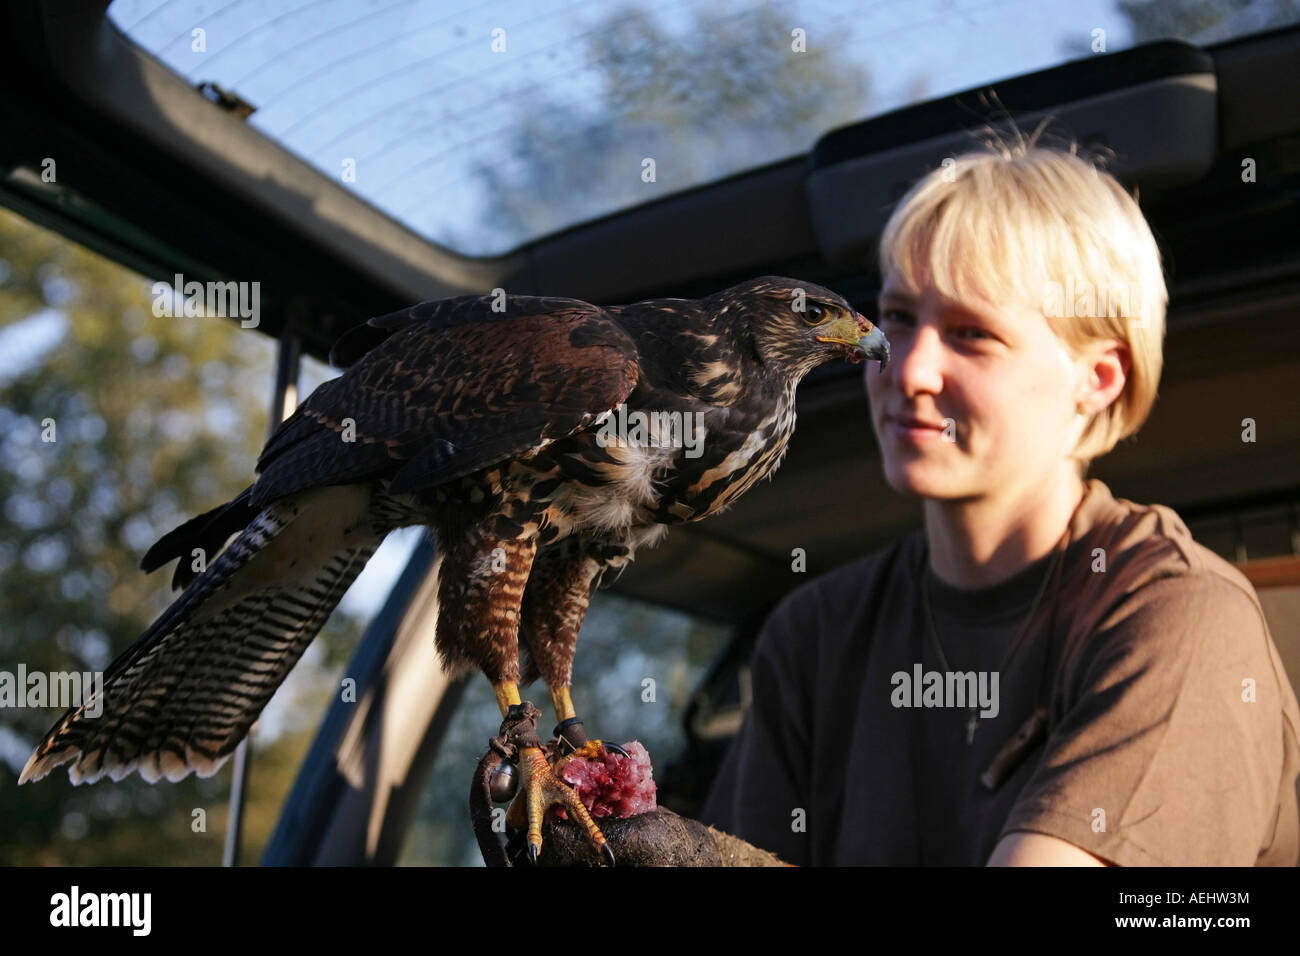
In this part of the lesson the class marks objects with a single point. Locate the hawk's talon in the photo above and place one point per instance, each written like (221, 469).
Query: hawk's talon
(608, 854)
(543, 788)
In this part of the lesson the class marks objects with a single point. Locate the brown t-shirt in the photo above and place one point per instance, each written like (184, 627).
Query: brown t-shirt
(1172, 727)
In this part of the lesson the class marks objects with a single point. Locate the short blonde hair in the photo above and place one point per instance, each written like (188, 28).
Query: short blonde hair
(1049, 226)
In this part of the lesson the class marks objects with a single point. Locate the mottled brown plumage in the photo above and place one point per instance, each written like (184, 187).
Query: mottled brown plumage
(491, 427)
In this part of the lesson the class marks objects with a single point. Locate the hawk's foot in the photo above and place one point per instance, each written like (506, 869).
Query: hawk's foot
(542, 788)
(539, 787)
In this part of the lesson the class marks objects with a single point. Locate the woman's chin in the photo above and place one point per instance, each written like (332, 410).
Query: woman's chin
(914, 479)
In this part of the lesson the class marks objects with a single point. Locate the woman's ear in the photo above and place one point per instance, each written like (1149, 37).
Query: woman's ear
(1106, 366)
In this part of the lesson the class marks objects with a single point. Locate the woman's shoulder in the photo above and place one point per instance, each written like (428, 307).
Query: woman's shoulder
(1125, 546)
(1138, 579)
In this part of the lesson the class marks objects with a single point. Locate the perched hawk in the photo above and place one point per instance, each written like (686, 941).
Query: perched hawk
(543, 440)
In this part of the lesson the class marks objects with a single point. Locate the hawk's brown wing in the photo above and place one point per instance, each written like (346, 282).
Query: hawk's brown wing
(452, 389)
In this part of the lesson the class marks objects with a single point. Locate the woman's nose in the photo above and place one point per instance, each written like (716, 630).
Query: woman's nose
(918, 361)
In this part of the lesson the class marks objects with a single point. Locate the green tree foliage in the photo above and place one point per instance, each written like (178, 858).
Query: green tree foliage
(155, 419)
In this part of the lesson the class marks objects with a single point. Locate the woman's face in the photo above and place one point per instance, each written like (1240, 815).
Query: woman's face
(996, 384)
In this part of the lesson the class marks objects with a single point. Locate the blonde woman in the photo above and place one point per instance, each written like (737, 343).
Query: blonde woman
(1044, 673)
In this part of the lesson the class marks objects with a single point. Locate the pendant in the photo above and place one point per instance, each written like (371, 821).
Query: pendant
(1013, 753)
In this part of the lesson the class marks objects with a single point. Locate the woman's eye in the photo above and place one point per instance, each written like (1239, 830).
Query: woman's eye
(968, 333)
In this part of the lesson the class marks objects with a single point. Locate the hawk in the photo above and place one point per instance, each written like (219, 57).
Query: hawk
(543, 440)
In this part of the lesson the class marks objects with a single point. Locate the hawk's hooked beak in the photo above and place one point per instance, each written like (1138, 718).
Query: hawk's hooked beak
(865, 340)
(874, 345)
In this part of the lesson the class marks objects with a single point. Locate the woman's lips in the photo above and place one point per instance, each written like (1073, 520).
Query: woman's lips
(909, 431)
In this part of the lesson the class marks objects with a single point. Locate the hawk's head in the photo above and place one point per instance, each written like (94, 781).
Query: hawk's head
(795, 326)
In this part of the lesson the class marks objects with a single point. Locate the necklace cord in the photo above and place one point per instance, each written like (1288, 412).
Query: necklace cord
(1058, 557)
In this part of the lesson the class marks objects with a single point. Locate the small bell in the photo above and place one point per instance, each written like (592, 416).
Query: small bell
(504, 782)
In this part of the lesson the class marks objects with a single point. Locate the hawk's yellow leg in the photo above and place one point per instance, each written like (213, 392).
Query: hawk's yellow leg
(541, 787)
(563, 703)
(563, 711)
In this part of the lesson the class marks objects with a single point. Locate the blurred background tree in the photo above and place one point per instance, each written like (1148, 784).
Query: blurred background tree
(155, 419)
(701, 102)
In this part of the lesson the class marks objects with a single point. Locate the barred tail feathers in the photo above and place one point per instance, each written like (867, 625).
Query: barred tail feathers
(183, 696)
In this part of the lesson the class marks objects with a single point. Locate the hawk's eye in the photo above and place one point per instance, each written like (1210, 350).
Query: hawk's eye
(814, 314)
